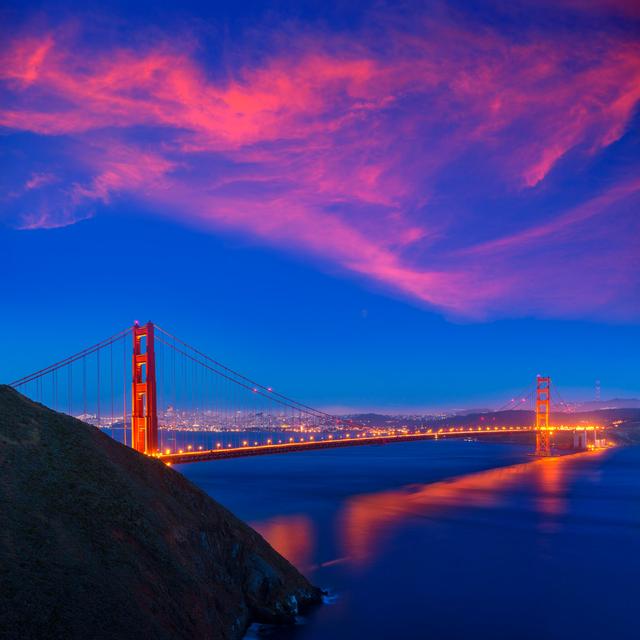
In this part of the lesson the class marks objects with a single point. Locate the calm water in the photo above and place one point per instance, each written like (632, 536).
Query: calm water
(449, 539)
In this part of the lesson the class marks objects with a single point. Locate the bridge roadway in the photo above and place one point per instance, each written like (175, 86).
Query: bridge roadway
(328, 442)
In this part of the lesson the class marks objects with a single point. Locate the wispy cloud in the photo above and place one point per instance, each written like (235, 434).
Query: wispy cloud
(345, 148)
(39, 180)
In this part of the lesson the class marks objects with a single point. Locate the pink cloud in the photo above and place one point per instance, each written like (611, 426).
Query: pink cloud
(39, 180)
(44, 218)
(561, 224)
(328, 148)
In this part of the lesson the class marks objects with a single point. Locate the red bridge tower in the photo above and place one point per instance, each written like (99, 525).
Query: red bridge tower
(144, 415)
(543, 402)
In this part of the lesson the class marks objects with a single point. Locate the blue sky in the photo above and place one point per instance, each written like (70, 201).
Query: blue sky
(363, 206)
(323, 338)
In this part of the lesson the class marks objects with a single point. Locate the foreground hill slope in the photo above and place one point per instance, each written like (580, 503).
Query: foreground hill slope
(98, 541)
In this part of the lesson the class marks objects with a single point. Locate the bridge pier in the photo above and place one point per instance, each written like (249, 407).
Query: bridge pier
(543, 443)
(598, 442)
(580, 440)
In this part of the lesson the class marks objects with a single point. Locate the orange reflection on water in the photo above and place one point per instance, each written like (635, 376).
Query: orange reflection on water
(292, 536)
(368, 520)
(550, 479)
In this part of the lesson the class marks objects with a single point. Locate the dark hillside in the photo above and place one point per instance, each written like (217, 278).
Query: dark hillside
(98, 541)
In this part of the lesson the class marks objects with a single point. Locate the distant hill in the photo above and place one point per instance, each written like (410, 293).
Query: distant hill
(614, 403)
(98, 541)
(504, 418)
(498, 418)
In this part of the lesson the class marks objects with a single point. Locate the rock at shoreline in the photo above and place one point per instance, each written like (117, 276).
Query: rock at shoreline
(98, 541)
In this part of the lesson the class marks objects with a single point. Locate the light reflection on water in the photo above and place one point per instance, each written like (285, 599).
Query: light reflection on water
(368, 520)
(292, 536)
(543, 548)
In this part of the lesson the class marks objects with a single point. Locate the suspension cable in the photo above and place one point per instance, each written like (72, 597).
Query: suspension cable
(516, 400)
(251, 382)
(71, 359)
(256, 390)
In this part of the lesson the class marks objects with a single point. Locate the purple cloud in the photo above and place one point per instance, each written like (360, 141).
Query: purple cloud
(344, 149)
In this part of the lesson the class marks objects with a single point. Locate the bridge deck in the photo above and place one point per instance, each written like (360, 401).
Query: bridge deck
(182, 457)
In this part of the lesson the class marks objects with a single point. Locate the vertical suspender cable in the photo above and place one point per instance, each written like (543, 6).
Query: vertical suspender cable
(111, 376)
(84, 387)
(98, 385)
(124, 390)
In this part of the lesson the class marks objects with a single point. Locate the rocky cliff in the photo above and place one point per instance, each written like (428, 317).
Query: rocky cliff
(98, 541)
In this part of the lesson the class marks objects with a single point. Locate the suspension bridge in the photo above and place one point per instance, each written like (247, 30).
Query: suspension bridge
(163, 397)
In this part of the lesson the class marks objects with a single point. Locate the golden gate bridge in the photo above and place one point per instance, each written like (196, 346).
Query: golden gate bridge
(166, 399)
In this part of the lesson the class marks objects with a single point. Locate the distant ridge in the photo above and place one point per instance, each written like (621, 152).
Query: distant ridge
(614, 403)
(98, 541)
(497, 418)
